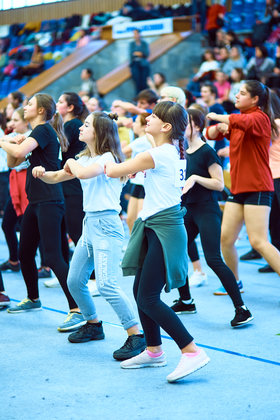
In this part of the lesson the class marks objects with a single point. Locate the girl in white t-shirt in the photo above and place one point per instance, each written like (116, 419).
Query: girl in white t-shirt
(100, 246)
(158, 245)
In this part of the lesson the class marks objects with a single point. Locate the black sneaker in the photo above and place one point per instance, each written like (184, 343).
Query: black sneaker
(183, 308)
(133, 346)
(242, 316)
(44, 273)
(87, 332)
(251, 255)
(266, 269)
(8, 266)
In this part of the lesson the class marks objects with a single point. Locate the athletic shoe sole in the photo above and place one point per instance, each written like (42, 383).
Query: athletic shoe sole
(145, 365)
(205, 362)
(100, 337)
(23, 310)
(72, 328)
(186, 312)
(243, 323)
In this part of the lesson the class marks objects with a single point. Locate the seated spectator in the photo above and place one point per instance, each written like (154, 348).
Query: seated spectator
(173, 94)
(157, 82)
(236, 76)
(232, 39)
(35, 66)
(84, 38)
(205, 72)
(223, 86)
(146, 101)
(260, 66)
(3, 59)
(93, 105)
(124, 123)
(236, 59)
(222, 56)
(273, 79)
(220, 38)
(16, 99)
(88, 86)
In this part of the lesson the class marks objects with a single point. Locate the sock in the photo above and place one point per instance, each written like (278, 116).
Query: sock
(192, 354)
(187, 302)
(151, 354)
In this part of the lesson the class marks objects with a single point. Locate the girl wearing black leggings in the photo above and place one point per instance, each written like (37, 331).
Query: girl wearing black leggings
(158, 243)
(204, 178)
(43, 217)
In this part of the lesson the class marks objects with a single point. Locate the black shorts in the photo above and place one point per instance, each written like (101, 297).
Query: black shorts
(137, 191)
(256, 198)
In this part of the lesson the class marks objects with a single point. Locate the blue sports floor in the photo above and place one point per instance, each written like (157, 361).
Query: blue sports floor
(43, 376)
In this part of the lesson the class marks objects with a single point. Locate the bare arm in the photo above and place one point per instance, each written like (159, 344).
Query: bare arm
(51, 177)
(129, 107)
(216, 182)
(16, 152)
(141, 162)
(82, 172)
(127, 151)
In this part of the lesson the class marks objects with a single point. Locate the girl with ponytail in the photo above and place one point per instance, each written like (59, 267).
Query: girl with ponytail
(250, 134)
(204, 178)
(157, 249)
(43, 218)
(100, 245)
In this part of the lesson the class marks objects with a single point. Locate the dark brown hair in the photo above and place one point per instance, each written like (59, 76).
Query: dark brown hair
(197, 118)
(80, 111)
(177, 116)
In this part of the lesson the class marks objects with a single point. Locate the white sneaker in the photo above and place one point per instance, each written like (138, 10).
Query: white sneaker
(52, 282)
(197, 279)
(93, 288)
(144, 360)
(188, 365)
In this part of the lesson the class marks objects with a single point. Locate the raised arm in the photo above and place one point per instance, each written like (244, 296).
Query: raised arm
(218, 117)
(141, 162)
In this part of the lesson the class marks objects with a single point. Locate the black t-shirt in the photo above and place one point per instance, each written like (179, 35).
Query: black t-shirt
(72, 132)
(198, 163)
(46, 155)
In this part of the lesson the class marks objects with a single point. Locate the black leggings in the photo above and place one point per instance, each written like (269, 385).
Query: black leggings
(153, 313)
(9, 224)
(74, 216)
(43, 222)
(205, 218)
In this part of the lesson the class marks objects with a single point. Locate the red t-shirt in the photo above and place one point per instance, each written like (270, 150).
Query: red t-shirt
(250, 138)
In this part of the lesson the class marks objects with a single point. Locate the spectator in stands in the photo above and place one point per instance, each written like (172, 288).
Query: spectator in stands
(173, 94)
(236, 76)
(232, 39)
(3, 58)
(93, 104)
(273, 79)
(124, 123)
(16, 99)
(84, 39)
(222, 56)
(236, 59)
(209, 96)
(223, 86)
(260, 66)
(146, 101)
(139, 64)
(89, 86)
(215, 20)
(220, 38)
(157, 82)
(205, 72)
(35, 66)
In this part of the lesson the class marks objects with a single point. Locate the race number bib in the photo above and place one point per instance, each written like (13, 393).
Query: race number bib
(180, 173)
